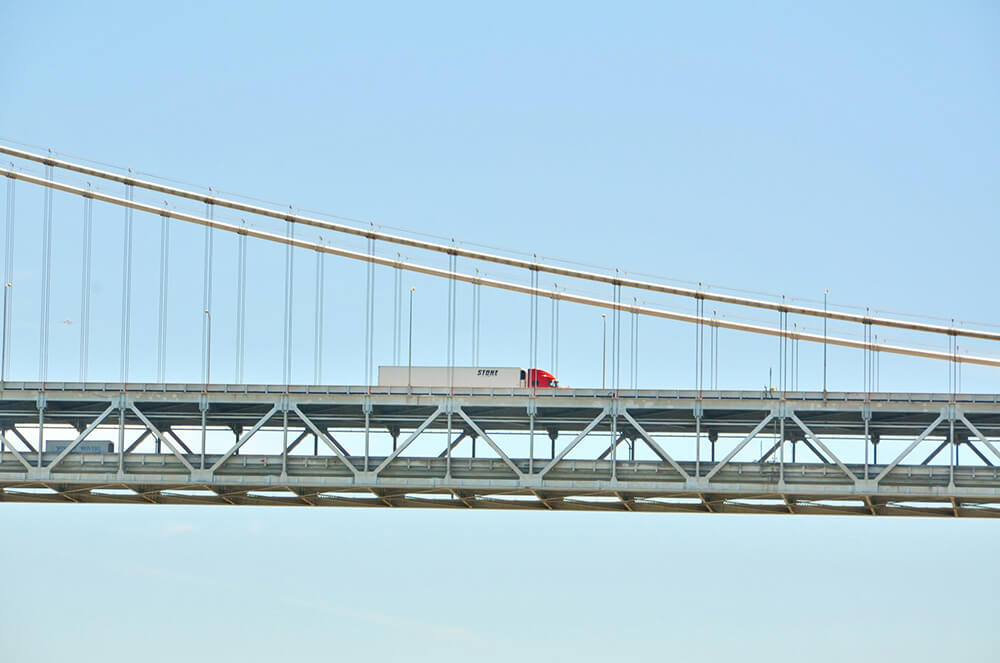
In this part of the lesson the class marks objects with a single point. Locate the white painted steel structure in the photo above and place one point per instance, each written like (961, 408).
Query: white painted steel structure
(551, 449)
(663, 457)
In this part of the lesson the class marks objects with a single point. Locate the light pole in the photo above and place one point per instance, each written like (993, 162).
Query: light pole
(409, 365)
(208, 354)
(604, 348)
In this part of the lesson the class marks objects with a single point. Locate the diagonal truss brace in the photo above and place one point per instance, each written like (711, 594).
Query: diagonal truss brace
(980, 436)
(81, 437)
(322, 434)
(17, 454)
(576, 440)
(24, 440)
(913, 445)
(160, 436)
(246, 437)
(414, 435)
(654, 446)
(481, 433)
(819, 443)
(739, 447)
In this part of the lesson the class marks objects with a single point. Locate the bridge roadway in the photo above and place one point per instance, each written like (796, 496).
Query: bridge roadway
(363, 439)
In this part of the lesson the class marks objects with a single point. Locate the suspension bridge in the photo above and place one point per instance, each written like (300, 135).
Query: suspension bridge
(779, 449)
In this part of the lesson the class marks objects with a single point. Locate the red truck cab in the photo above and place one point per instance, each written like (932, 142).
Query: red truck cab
(541, 379)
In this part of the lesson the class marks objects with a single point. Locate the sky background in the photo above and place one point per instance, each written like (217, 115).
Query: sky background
(780, 148)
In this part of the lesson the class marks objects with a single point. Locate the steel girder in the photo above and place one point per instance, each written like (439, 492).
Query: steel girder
(674, 478)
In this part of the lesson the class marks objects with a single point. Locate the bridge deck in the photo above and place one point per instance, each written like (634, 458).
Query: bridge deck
(359, 446)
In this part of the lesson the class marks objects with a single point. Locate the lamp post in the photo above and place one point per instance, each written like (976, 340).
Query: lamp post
(208, 354)
(604, 348)
(409, 364)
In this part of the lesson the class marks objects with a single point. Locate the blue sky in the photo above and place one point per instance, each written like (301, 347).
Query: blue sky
(778, 148)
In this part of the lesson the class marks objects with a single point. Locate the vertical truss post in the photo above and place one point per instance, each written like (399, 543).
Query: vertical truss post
(698, 410)
(121, 434)
(953, 446)
(366, 406)
(781, 446)
(203, 406)
(614, 437)
(866, 414)
(41, 428)
(284, 436)
(532, 411)
(447, 458)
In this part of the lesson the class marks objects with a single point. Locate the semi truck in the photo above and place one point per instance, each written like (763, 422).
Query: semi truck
(485, 377)
(85, 447)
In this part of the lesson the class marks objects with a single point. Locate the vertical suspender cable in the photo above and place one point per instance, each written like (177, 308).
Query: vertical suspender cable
(715, 376)
(711, 354)
(397, 311)
(697, 336)
(475, 320)
(241, 304)
(877, 371)
(617, 337)
(631, 351)
(85, 278)
(614, 336)
(635, 344)
(552, 349)
(289, 268)
(161, 334)
(318, 336)
(452, 295)
(555, 353)
(533, 322)
(699, 359)
(43, 350)
(478, 313)
(126, 288)
(633, 367)
(867, 354)
(368, 331)
(533, 279)
(370, 313)
(795, 367)
(8, 281)
(534, 331)
(206, 300)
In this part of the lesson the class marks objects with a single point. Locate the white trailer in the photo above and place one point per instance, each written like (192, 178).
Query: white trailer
(484, 377)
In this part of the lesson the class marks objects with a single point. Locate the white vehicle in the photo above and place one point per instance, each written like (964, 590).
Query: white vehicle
(484, 377)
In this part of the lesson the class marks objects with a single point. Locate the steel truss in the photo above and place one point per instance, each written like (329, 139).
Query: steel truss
(363, 440)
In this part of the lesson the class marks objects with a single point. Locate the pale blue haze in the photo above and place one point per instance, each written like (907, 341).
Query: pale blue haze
(780, 148)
